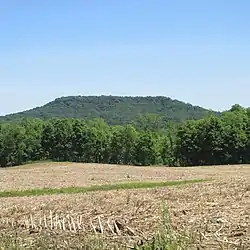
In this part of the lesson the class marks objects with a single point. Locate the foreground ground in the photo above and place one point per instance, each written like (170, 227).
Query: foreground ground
(214, 214)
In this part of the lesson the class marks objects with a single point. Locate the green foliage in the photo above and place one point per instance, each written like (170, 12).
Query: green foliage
(147, 149)
(116, 110)
(122, 145)
(212, 140)
(215, 140)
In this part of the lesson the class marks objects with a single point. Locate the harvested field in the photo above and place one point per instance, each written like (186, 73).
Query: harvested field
(215, 214)
(56, 175)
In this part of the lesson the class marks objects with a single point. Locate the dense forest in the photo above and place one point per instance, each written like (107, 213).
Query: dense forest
(223, 139)
(114, 110)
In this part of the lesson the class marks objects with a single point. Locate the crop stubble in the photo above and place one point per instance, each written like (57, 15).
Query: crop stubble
(216, 212)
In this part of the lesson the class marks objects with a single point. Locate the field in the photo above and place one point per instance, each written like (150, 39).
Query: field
(213, 213)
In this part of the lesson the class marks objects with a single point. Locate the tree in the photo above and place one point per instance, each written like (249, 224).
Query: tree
(187, 148)
(33, 133)
(210, 141)
(12, 146)
(168, 150)
(147, 149)
(236, 135)
(56, 139)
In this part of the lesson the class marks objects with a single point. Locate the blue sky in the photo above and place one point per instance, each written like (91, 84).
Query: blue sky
(195, 51)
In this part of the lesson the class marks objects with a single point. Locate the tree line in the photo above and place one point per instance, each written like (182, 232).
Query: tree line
(210, 141)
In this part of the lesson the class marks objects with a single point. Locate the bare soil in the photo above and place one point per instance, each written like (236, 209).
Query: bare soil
(215, 213)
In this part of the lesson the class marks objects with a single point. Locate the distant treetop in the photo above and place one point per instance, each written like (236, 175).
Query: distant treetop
(115, 110)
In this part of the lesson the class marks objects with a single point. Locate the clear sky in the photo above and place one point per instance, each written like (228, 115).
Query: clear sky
(192, 50)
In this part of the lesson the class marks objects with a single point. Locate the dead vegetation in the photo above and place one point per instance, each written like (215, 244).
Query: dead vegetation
(57, 175)
(215, 215)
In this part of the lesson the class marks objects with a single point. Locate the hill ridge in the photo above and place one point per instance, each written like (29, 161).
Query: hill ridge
(113, 109)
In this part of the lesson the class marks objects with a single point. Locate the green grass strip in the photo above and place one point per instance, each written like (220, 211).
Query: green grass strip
(75, 190)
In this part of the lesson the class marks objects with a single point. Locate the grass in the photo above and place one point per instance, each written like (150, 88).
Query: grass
(75, 190)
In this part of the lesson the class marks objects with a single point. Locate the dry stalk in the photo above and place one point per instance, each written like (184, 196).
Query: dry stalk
(31, 221)
(73, 224)
(93, 226)
(100, 224)
(45, 221)
(117, 229)
(138, 207)
(63, 224)
(26, 222)
(131, 231)
(110, 228)
(56, 221)
(78, 221)
(40, 221)
(217, 232)
(51, 220)
(81, 224)
(59, 223)
(68, 217)
(225, 241)
(12, 222)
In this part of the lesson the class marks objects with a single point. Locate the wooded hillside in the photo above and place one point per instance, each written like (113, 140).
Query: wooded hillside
(114, 110)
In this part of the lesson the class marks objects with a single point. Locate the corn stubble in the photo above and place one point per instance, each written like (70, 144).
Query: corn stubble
(208, 215)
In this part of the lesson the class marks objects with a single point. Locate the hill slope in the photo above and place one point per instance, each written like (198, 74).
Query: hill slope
(113, 109)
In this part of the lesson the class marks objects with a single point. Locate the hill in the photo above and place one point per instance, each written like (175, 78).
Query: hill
(113, 109)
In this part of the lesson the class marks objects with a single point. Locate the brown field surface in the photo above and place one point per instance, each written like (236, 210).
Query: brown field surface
(216, 213)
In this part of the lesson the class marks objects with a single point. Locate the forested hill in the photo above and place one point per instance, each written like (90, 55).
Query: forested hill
(113, 109)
